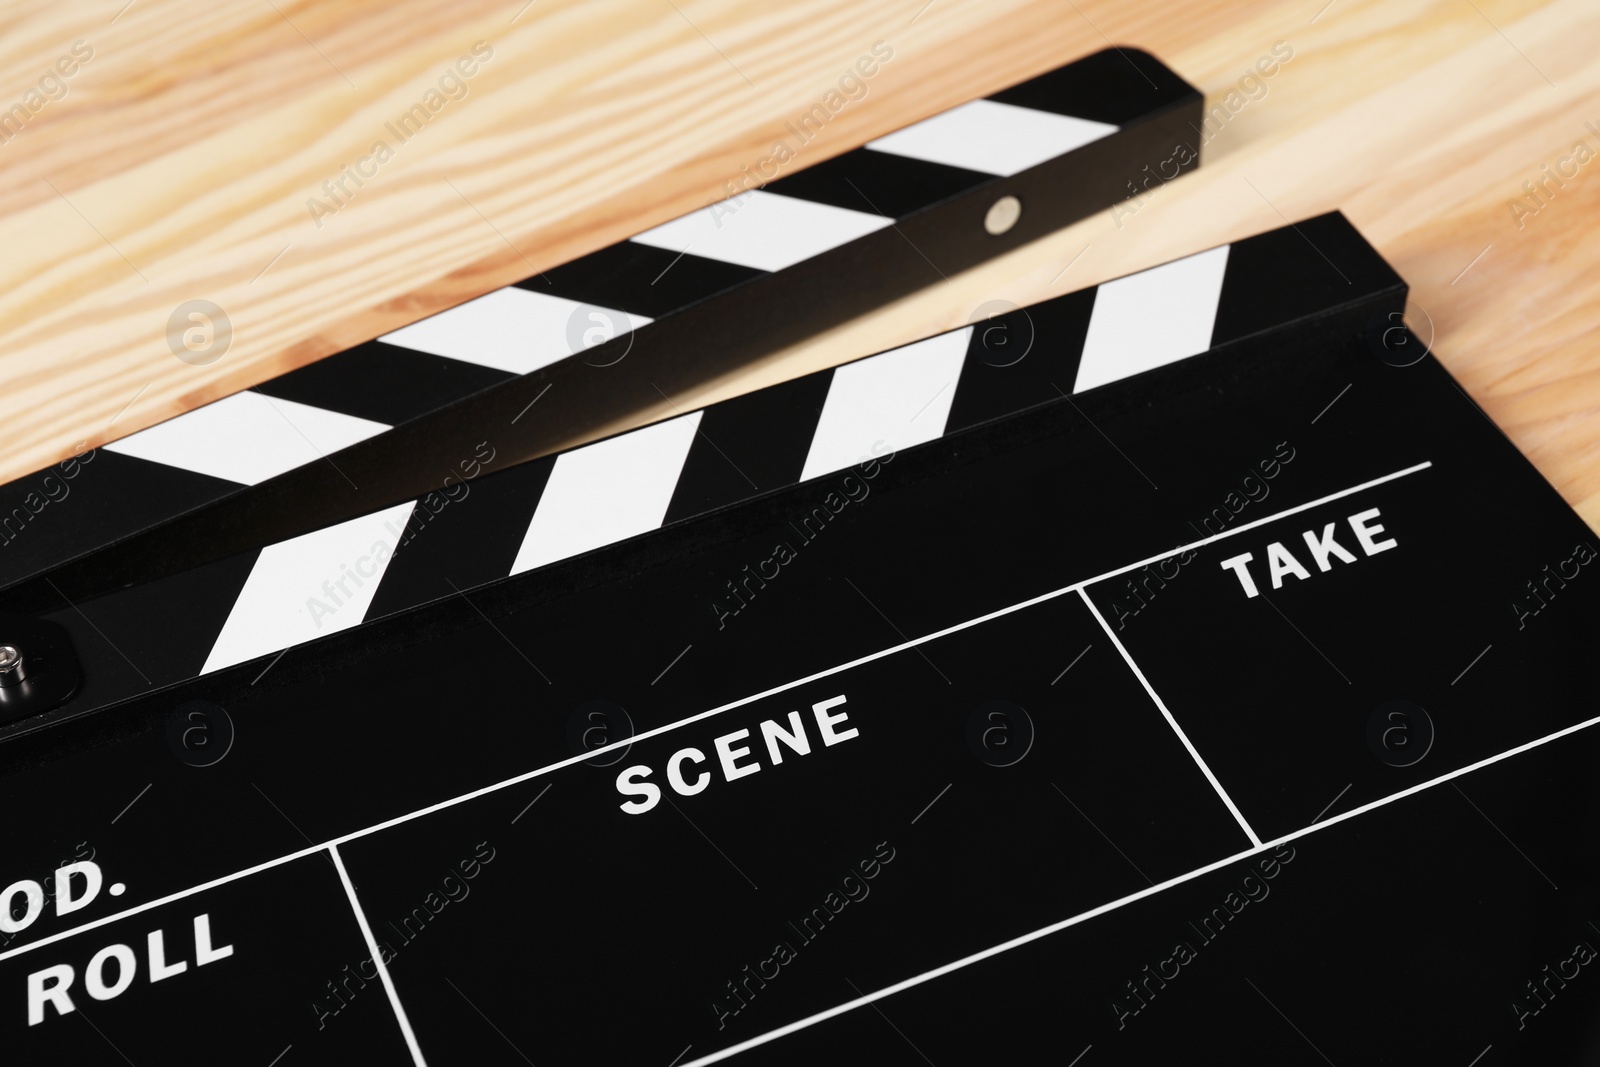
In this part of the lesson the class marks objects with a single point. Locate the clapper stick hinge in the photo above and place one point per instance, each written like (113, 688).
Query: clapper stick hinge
(38, 666)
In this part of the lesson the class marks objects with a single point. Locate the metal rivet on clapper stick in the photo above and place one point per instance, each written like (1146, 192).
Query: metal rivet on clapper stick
(12, 669)
(1003, 214)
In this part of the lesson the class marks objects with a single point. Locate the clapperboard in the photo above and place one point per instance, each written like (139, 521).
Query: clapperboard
(1175, 667)
(518, 372)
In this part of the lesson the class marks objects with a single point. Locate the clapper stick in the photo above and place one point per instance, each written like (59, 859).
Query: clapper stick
(527, 369)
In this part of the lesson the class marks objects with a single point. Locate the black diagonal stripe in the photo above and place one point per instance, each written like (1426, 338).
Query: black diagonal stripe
(382, 382)
(641, 279)
(1117, 86)
(78, 507)
(161, 631)
(469, 536)
(879, 183)
(1018, 360)
(1299, 270)
(749, 445)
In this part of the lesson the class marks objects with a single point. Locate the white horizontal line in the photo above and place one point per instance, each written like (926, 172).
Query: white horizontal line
(669, 727)
(1297, 509)
(1045, 931)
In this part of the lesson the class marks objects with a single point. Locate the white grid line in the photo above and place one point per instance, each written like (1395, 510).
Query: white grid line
(1113, 905)
(377, 959)
(1188, 745)
(720, 709)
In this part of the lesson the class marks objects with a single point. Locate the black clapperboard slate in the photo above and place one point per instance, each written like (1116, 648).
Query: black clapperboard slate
(1172, 668)
(430, 406)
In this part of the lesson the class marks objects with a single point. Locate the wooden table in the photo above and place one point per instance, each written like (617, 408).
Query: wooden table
(175, 154)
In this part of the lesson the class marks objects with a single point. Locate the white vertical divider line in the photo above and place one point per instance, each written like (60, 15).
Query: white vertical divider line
(1183, 737)
(377, 959)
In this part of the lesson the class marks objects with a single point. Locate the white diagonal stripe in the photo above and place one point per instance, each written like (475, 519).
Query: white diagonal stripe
(247, 437)
(607, 491)
(763, 230)
(1152, 318)
(514, 330)
(315, 584)
(889, 401)
(991, 137)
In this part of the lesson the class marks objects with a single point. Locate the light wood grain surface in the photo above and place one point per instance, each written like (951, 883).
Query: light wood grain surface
(177, 160)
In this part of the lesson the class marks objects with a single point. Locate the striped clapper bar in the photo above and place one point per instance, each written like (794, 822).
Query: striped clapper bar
(682, 303)
(256, 603)
(1103, 704)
